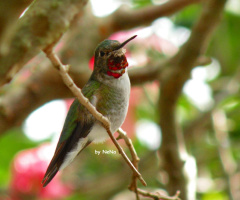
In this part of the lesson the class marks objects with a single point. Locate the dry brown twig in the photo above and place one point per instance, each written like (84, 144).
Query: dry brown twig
(158, 196)
(63, 70)
(135, 161)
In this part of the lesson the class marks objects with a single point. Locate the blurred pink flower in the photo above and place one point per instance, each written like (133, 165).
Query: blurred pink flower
(29, 167)
(144, 42)
(68, 103)
(91, 63)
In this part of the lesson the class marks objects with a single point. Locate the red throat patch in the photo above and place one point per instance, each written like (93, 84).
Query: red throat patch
(115, 64)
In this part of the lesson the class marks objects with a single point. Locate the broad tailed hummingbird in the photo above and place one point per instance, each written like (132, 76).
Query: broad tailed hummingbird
(108, 89)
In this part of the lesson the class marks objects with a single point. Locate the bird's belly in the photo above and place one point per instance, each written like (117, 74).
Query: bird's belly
(116, 108)
(98, 134)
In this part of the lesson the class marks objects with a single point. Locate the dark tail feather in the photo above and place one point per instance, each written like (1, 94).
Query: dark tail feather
(58, 159)
(49, 176)
(54, 165)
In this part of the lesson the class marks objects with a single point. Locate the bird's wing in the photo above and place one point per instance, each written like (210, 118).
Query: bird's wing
(77, 125)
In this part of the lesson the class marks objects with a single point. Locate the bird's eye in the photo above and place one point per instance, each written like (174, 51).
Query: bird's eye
(102, 53)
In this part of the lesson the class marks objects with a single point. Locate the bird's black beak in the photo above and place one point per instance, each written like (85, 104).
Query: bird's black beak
(125, 42)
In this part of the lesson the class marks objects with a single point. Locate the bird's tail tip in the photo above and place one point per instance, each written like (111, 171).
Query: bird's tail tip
(44, 182)
(49, 176)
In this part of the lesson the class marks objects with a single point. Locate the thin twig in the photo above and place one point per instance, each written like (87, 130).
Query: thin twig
(63, 70)
(157, 195)
(135, 161)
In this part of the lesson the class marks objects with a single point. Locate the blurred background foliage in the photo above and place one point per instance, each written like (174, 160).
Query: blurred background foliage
(211, 130)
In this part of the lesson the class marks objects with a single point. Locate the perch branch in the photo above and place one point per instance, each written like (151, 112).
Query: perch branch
(63, 70)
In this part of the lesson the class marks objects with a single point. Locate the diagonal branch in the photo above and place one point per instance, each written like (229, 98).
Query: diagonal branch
(135, 160)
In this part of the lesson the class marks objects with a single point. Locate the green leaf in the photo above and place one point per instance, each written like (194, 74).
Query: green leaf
(215, 196)
(11, 143)
(141, 3)
(188, 16)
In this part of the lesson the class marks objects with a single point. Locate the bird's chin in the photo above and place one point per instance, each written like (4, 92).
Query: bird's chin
(116, 73)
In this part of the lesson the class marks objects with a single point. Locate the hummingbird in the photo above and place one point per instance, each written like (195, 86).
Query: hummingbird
(108, 89)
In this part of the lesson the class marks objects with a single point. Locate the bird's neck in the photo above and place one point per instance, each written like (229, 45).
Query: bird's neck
(109, 80)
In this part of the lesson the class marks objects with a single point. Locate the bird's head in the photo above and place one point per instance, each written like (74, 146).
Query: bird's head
(110, 58)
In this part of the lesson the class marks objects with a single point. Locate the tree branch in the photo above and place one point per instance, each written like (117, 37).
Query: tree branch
(43, 23)
(124, 19)
(173, 79)
(148, 73)
(135, 160)
(10, 11)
